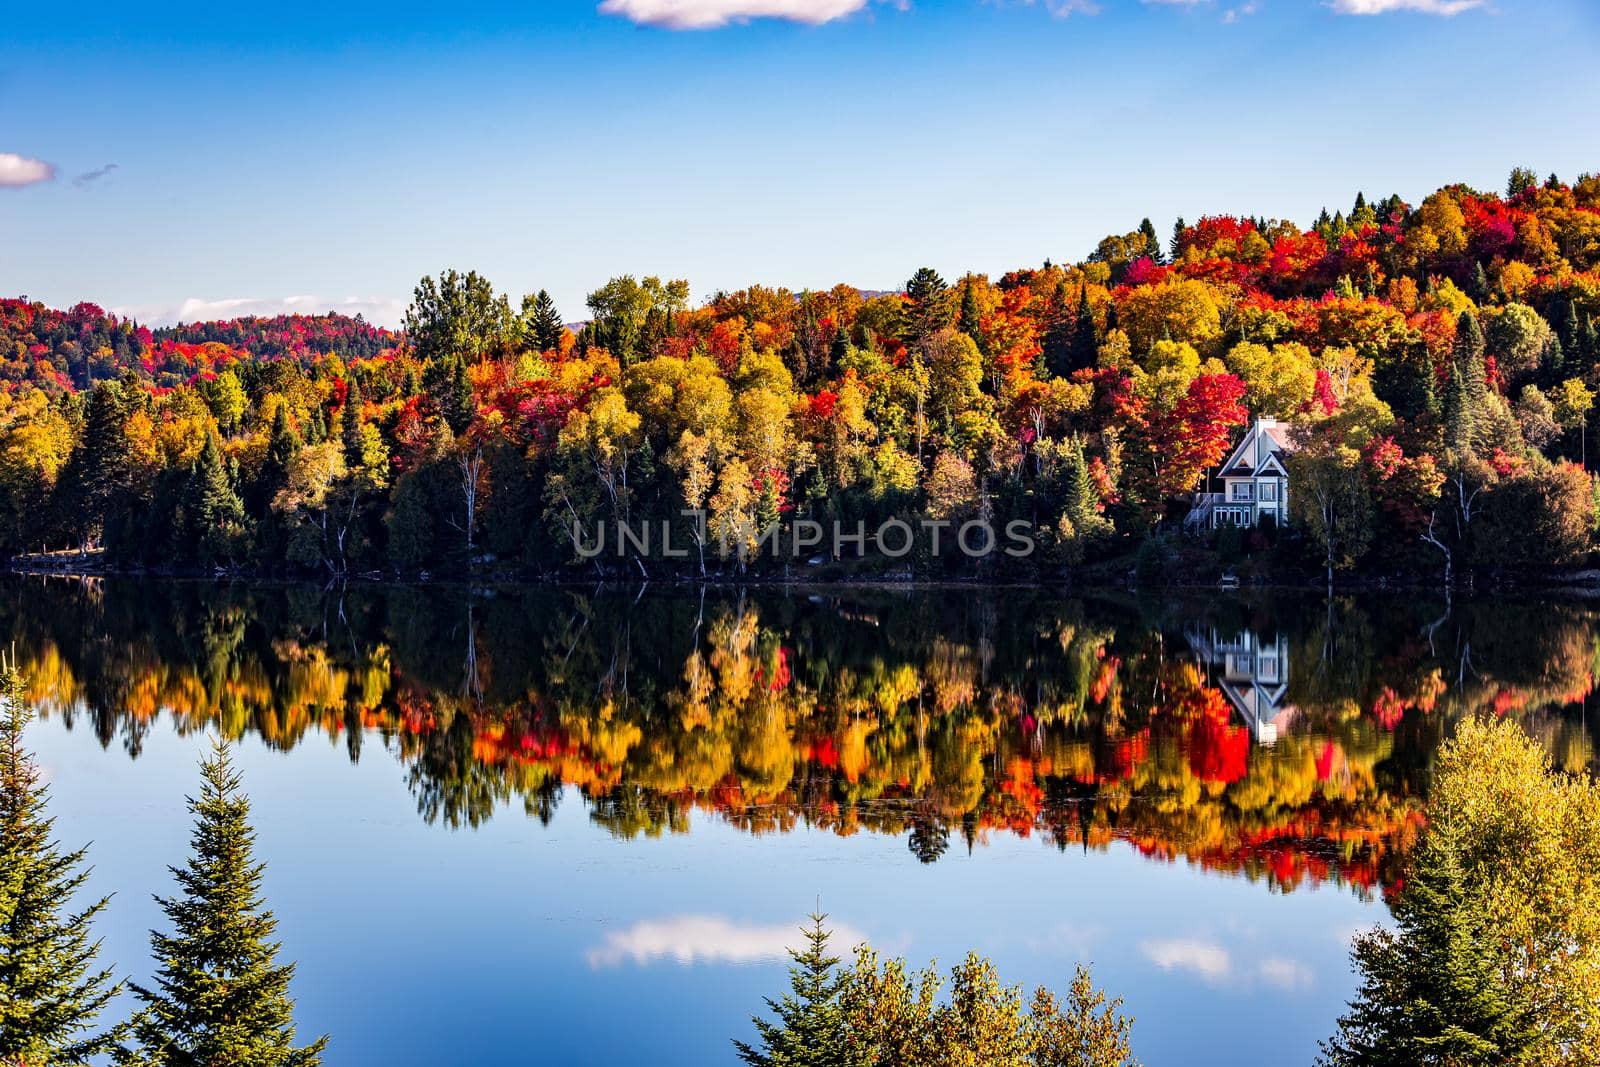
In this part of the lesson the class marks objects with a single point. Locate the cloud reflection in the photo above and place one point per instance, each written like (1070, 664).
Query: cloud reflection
(691, 939)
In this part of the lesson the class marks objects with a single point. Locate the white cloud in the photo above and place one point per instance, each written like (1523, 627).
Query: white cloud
(381, 311)
(1234, 14)
(1215, 965)
(1426, 7)
(1285, 973)
(1059, 8)
(690, 939)
(1205, 958)
(710, 14)
(17, 171)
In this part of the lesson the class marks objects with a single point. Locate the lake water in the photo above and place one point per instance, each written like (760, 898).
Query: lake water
(578, 827)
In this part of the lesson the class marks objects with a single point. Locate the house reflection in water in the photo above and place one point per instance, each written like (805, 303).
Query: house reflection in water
(1252, 672)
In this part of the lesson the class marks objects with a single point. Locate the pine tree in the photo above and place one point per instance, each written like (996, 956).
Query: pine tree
(1431, 993)
(809, 1030)
(50, 992)
(1177, 238)
(545, 327)
(221, 998)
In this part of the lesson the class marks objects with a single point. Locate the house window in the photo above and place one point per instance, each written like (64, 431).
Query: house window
(1269, 491)
(1240, 490)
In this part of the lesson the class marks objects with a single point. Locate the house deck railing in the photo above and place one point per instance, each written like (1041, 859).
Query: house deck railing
(1199, 517)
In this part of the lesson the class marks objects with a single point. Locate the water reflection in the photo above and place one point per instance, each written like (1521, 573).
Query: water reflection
(1284, 739)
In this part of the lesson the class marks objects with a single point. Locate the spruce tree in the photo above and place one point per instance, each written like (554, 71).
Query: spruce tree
(809, 1030)
(1572, 332)
(1056, 344)
(545, 327)
(350, 425)
(1152, 243)
(1431, 993)
(1479, 287)
(1085, 340)
(221, 999)
(1470, 394)
(970, 321)
(1457, 412)
(213, 511)
(51, 993)
(1177, 238)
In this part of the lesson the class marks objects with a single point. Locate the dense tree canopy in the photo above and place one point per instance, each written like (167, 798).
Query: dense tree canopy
(1449, 349)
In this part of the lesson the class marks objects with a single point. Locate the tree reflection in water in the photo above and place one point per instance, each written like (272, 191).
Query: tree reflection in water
(1287, 739)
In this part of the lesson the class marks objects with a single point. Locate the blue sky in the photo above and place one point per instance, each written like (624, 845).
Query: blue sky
(326, 155)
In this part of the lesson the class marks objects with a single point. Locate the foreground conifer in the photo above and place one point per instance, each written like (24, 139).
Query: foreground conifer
(51, 993)
(221, 998)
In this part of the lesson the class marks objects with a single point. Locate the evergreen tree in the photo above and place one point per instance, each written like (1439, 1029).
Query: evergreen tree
(1478, 289)
(214, 514)
(350, 425)
(1572, 332)
(1457, 411)
(1056, 344)
(1431, 993)
(51, 994)
(1552, 362)
(1467, 358)
(970, 321)
(1152, 243)
(929, 308)
(840, 347)
(1362, 214)
(1177, 238)
(544, 326)
(282, 447)
(1085, 340)
(1589, 342)
(1080, 495)
(221, 998)
(809, 1030)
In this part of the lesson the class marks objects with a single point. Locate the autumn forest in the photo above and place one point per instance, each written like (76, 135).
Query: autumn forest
(1437, 361)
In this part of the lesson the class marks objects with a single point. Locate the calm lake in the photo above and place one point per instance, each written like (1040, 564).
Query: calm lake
(579, 827)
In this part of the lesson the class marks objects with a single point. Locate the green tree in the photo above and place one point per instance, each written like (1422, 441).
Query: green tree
(51, 993)
(1430, 994)
(213, 513)
(221, 998)
(458, 316)
(1152, 243)
(929, 308)
(809, 1028)
(1496, 958)
(541, 322)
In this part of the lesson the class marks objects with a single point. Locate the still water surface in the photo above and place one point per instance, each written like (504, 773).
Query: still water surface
(561, 827)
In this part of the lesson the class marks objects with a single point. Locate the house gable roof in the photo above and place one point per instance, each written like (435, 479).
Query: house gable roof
(1259, 451)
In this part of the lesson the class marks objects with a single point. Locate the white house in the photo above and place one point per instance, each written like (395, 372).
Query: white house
(1253, 673)
(1254, 482)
